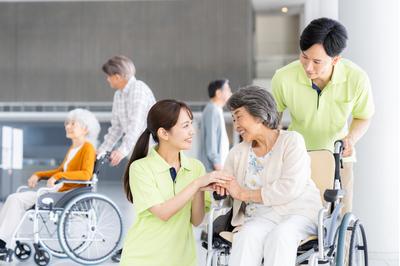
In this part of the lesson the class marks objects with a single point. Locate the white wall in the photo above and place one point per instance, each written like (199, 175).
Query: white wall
(373, 28)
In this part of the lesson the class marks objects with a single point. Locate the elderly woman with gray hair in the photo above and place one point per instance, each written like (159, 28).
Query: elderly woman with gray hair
(276, 203)
(82, 128)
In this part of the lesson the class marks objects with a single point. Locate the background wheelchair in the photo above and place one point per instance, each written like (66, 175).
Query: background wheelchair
(79, 224)
(341, 240)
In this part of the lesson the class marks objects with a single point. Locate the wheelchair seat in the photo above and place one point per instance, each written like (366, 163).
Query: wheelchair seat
(60, 199)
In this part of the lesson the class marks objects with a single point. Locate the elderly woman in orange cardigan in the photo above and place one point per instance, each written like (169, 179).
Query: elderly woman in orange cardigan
(82, 128)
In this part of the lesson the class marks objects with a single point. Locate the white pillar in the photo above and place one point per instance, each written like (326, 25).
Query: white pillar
(319, 8)
(373, 28)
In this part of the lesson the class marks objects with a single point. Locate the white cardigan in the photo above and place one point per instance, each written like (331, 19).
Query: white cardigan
(286, 179)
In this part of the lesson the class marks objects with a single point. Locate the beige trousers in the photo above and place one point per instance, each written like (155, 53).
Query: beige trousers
(347, 176)
(12, 212)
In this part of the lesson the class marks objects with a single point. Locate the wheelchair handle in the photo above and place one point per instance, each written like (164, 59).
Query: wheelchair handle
(337, 154)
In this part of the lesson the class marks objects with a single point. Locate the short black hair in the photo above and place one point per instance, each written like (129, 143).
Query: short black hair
(328, 32)
(216, 85)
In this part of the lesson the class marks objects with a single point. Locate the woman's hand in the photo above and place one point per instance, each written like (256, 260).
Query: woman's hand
(32, 181)
(51, 182)
(207, 181)
(233, 188)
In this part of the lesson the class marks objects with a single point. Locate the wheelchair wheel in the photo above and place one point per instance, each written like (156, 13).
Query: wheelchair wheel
(42, 257)
(358, 252)
(48, 235)
(90, 228)
(22, 251)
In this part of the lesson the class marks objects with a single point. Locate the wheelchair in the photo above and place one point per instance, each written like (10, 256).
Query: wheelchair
(341, 239)
(79, 224)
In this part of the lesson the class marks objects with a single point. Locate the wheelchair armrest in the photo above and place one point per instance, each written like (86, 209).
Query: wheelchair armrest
(332, 195)
(216, 196)
(69, 181)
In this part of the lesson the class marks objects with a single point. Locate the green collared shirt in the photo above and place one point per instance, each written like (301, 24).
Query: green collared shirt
(151, 241)
(322, 119)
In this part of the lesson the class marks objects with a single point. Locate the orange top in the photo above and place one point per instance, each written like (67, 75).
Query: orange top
(79, 168)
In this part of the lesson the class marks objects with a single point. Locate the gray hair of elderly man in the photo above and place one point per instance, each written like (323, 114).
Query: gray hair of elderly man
(120, 65)
(88, 120)
(258, 102)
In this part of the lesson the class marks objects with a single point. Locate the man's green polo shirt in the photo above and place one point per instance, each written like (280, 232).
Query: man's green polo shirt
(322, 119)
(152, 241)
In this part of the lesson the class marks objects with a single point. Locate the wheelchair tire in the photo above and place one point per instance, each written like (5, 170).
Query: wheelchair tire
(42, 257)
(90, 228)
(23, 251)
(358, 253)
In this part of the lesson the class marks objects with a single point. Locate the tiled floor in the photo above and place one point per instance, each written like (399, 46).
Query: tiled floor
(114, 190)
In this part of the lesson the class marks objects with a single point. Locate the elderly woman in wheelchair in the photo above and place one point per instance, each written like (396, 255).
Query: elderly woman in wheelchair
(276, 203)
(65, 215)
(277, 216)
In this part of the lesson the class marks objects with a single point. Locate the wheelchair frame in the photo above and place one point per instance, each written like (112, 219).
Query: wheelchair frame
(338, 238)
(58, 215)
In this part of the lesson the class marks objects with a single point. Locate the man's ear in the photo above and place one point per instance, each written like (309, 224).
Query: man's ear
(218, 93)
(162, 134)
(336, 59)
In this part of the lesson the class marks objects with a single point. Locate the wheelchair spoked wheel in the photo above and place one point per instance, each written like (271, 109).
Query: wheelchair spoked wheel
(90, 228)
(351, 246)
(22, 251)
(358, 252)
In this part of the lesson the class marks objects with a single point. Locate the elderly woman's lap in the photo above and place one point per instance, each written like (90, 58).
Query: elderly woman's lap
(275, 242)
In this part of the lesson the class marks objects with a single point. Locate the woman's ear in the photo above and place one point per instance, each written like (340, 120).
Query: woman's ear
(162, 134)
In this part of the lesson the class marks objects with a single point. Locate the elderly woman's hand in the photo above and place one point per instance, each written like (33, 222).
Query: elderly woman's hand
(32, 181)
(51, 182)
(207, 181)
(234, 189)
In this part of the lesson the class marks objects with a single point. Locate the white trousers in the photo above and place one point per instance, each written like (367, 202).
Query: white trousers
(275, 241)
(12, 212)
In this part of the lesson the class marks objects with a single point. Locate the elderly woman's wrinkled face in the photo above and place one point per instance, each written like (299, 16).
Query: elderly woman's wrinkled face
(245, 124)
(75, 129)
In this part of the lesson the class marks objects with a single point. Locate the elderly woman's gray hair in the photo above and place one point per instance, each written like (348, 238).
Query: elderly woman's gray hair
(120, 65)
(88, 120)
(258, 102)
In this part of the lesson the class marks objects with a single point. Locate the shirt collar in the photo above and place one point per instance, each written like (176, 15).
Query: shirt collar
(160, 165)
(338, 76)
(128, 85)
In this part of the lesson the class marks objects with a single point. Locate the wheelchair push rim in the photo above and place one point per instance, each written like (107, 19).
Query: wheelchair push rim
(90, 228)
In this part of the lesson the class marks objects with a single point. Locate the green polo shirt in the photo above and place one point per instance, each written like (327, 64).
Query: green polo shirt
(322, 119)
(151, 241)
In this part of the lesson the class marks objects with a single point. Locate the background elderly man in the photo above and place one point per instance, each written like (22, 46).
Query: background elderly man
(132, 101)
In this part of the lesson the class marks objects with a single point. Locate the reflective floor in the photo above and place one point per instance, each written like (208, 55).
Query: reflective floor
(114, 190)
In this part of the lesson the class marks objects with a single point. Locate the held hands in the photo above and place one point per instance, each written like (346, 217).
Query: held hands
(222, 183)
(231, 188)
(208, 181)
(32, 181)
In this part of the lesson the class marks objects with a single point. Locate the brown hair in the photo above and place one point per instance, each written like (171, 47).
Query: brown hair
(163, 114)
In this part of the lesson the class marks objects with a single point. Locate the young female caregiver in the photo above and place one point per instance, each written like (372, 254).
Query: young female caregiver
(167, 190)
